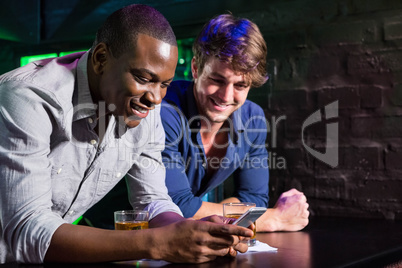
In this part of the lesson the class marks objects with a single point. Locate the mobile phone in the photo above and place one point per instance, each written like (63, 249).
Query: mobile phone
(250, 216)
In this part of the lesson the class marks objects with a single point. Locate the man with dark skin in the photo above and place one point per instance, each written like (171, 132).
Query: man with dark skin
(213, 132)
(59, 152)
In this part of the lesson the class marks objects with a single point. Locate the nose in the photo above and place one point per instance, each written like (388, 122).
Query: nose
(152, 96)
(225, 93)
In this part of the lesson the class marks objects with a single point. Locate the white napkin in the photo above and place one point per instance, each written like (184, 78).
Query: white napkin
(260, 247)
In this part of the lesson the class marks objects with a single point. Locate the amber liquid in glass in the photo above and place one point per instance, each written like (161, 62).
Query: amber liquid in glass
(236, 216)
(137, 225)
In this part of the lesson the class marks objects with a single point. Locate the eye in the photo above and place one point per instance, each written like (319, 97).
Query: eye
(217, 81)
(141, 79)
(165, 85)
(241, 86)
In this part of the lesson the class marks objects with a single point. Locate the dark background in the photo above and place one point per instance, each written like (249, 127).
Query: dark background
(348, 51)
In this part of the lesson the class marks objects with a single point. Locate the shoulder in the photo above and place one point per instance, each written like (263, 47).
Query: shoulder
(176, 92)
(174, 103)
(172, 118)
(54, 78)
(252, 116)
(45, 73)
(250, 108)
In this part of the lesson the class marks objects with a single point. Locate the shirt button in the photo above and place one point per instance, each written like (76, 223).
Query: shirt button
(118, 174)
(93, 142)
(90, 120)
(204, 165)
(71, 212)
(59, 170)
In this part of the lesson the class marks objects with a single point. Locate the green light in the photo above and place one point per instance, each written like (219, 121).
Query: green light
(181, 61)
(27, 59)
(77, 220)
(61, 54)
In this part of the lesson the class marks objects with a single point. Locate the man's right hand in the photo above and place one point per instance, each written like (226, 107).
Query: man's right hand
(197, 241)
(290, 213)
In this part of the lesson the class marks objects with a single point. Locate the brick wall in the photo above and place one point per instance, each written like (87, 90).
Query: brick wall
(326, 51)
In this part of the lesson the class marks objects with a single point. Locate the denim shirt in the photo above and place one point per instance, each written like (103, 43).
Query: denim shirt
(53, 166)
(185, 160)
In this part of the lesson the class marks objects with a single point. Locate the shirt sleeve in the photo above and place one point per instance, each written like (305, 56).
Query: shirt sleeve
(146, 178)
(27, 221)
(177, 181)
(252, 178)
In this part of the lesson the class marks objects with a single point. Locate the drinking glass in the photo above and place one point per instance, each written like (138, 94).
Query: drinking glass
(131, 220)
(235, 210)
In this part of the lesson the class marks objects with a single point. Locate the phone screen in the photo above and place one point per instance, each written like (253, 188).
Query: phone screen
(250, 216)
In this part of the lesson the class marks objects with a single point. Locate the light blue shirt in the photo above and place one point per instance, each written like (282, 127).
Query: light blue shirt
(53, 166)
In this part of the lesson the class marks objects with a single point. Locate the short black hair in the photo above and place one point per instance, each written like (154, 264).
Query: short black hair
(120, 30)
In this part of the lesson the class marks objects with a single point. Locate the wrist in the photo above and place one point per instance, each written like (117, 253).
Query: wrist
(269, 222)
(154, 244)
(276, 223)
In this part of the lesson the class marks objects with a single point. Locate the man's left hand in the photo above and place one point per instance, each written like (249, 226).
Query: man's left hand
(238, 246)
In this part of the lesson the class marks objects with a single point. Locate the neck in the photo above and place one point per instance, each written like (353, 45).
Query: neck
(211, 128)
(214, 135)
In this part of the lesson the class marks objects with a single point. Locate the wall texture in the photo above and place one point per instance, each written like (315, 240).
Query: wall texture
(344, 51)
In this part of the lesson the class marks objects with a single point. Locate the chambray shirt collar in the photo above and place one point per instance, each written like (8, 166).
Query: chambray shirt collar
(83, 103)
(237, 123)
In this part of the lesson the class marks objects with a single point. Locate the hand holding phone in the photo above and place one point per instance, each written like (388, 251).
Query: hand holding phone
(250, 216)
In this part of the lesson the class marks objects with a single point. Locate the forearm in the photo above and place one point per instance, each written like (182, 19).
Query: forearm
(165, 219)
(273, 221)
(185, 241)
(74, 243)
(268, 222)
(209, 208)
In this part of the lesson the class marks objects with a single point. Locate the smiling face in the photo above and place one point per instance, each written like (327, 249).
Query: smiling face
(218, 90)
(132, 84)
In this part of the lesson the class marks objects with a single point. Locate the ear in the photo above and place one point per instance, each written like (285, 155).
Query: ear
(99, 58)
(194, 68)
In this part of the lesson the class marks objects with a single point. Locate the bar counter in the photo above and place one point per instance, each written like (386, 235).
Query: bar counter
(325, 242)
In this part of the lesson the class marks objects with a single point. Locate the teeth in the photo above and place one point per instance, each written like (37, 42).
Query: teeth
(220, 105)
(138, 108)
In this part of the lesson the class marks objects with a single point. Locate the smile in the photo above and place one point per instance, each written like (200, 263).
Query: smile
(138, 111)
(219, 106)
